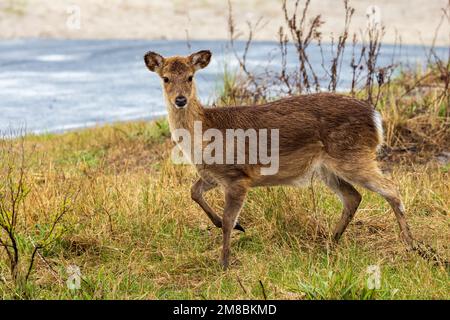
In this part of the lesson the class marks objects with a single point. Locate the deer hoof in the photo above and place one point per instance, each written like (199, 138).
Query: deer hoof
(239, 227)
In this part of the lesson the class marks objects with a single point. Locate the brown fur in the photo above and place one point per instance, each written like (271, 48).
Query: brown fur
(329, 134)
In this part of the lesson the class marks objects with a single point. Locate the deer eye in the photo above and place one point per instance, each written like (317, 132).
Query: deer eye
(190, 78)
(166, 80)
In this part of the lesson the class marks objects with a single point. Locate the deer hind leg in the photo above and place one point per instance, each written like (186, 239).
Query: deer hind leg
(349, 196)
(198, 188)
(234, 200)
(387, 189)
(371, 178)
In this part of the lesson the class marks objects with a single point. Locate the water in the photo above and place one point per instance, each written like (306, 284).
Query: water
(56, 85)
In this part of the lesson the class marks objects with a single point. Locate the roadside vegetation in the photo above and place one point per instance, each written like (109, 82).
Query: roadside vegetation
(109, 201)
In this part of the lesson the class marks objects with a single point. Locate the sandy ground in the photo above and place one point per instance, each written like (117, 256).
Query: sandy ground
(414, 20)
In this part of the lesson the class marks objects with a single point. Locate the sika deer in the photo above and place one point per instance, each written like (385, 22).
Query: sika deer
(332, 135)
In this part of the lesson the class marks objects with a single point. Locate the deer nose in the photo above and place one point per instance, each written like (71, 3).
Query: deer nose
(180, 101)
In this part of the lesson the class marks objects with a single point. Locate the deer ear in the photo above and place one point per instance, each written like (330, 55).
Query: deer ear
(153, 61)
(200, 59)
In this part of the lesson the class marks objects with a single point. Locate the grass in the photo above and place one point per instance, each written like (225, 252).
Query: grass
(135, 233)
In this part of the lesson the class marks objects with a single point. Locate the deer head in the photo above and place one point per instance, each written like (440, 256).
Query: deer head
(177, 75)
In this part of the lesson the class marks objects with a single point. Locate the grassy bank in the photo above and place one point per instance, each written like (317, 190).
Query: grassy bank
(134, 232)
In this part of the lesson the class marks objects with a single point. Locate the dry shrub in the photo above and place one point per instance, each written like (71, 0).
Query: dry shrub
(415, 105)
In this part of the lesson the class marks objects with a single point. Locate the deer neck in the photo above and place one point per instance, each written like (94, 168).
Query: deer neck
(185, 118)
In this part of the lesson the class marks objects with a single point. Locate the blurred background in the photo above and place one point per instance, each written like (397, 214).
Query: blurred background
(71, 64)
(90, 191)
(414, 20)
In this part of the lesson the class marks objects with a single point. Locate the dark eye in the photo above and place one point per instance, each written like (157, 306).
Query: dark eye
(190, 78)
(166, 80)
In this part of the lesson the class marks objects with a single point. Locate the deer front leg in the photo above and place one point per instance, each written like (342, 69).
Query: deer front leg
(198, 188)
(234, 199)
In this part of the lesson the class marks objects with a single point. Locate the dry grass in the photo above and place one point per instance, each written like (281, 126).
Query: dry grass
(135, 233)
(416, 118)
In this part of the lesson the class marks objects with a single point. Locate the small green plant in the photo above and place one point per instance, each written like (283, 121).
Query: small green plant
(158, 130)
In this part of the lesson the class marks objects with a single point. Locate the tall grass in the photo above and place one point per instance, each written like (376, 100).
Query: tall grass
(134, 232)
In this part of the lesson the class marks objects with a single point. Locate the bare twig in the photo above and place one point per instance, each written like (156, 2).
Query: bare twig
(241, 285)
(263, 290)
